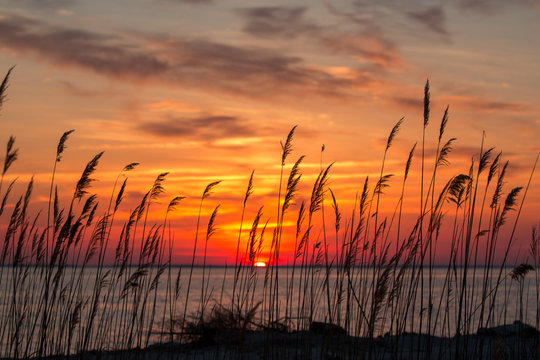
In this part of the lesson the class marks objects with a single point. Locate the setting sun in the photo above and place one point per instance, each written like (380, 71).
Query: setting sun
(259, 264)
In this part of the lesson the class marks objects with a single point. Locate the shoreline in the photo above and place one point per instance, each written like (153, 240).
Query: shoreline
(326, 341)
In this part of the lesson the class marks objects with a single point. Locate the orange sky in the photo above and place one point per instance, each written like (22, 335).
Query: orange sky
(205, 90)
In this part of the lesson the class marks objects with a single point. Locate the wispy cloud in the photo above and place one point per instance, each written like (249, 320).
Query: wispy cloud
(193, 2)
(477, 103)
(276, 21)
(492, 6)
(72, 89)
(104, 54)
(419, 19)
(433, 18)
(465, 102)
(367, 44)
(203, 127)
(45, 4)
(408, 102)
(245, 71)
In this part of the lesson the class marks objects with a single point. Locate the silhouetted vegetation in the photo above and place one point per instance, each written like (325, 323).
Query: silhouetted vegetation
(61, 297)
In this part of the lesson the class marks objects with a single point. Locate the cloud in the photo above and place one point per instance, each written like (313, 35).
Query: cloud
(74, 90)
(46, 4)
(243, 70)
(493, 6)
(477, 103)
(408, 102)
(276, 21)
(397, 18)
(101, 53)
(367, 45)
(433, 19)
(193, 2)
(208, 65)
(465, 102)
(203, 127)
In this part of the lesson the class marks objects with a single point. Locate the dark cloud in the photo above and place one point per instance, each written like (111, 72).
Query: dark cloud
(45, 4)
(423, 20)
(196, 2)
(408, 102)
(232, 61)
(492, 6)
(368, 44)
(433, 19)
(101, 53)
(411, 17)
(276, 21)
(253, 71)
(480, 104)
(75, 90)
(246, 71)
(204, 128)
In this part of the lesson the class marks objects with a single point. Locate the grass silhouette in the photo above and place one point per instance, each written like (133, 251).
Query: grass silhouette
(379, 280)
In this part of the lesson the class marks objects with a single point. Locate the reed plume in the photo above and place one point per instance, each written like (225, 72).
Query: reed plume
(84, 182)
(11, 155)
(287, 146)
(4, 86)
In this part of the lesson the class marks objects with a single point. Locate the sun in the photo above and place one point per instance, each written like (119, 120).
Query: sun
(259, 264)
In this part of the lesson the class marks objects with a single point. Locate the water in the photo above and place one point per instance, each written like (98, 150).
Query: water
(113, 308)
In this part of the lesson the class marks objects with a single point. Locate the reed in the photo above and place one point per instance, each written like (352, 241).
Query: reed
(372, 274)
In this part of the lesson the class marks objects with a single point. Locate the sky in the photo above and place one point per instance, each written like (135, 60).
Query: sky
(207, 89)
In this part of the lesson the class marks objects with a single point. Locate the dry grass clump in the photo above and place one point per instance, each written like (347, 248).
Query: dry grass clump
(221, 326)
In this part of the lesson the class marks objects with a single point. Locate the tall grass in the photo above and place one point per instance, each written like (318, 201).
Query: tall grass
(369, 275)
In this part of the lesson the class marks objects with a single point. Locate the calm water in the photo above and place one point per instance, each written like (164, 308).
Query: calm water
(125, 310)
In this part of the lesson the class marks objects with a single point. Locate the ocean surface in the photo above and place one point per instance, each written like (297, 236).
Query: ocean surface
(111, 308)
